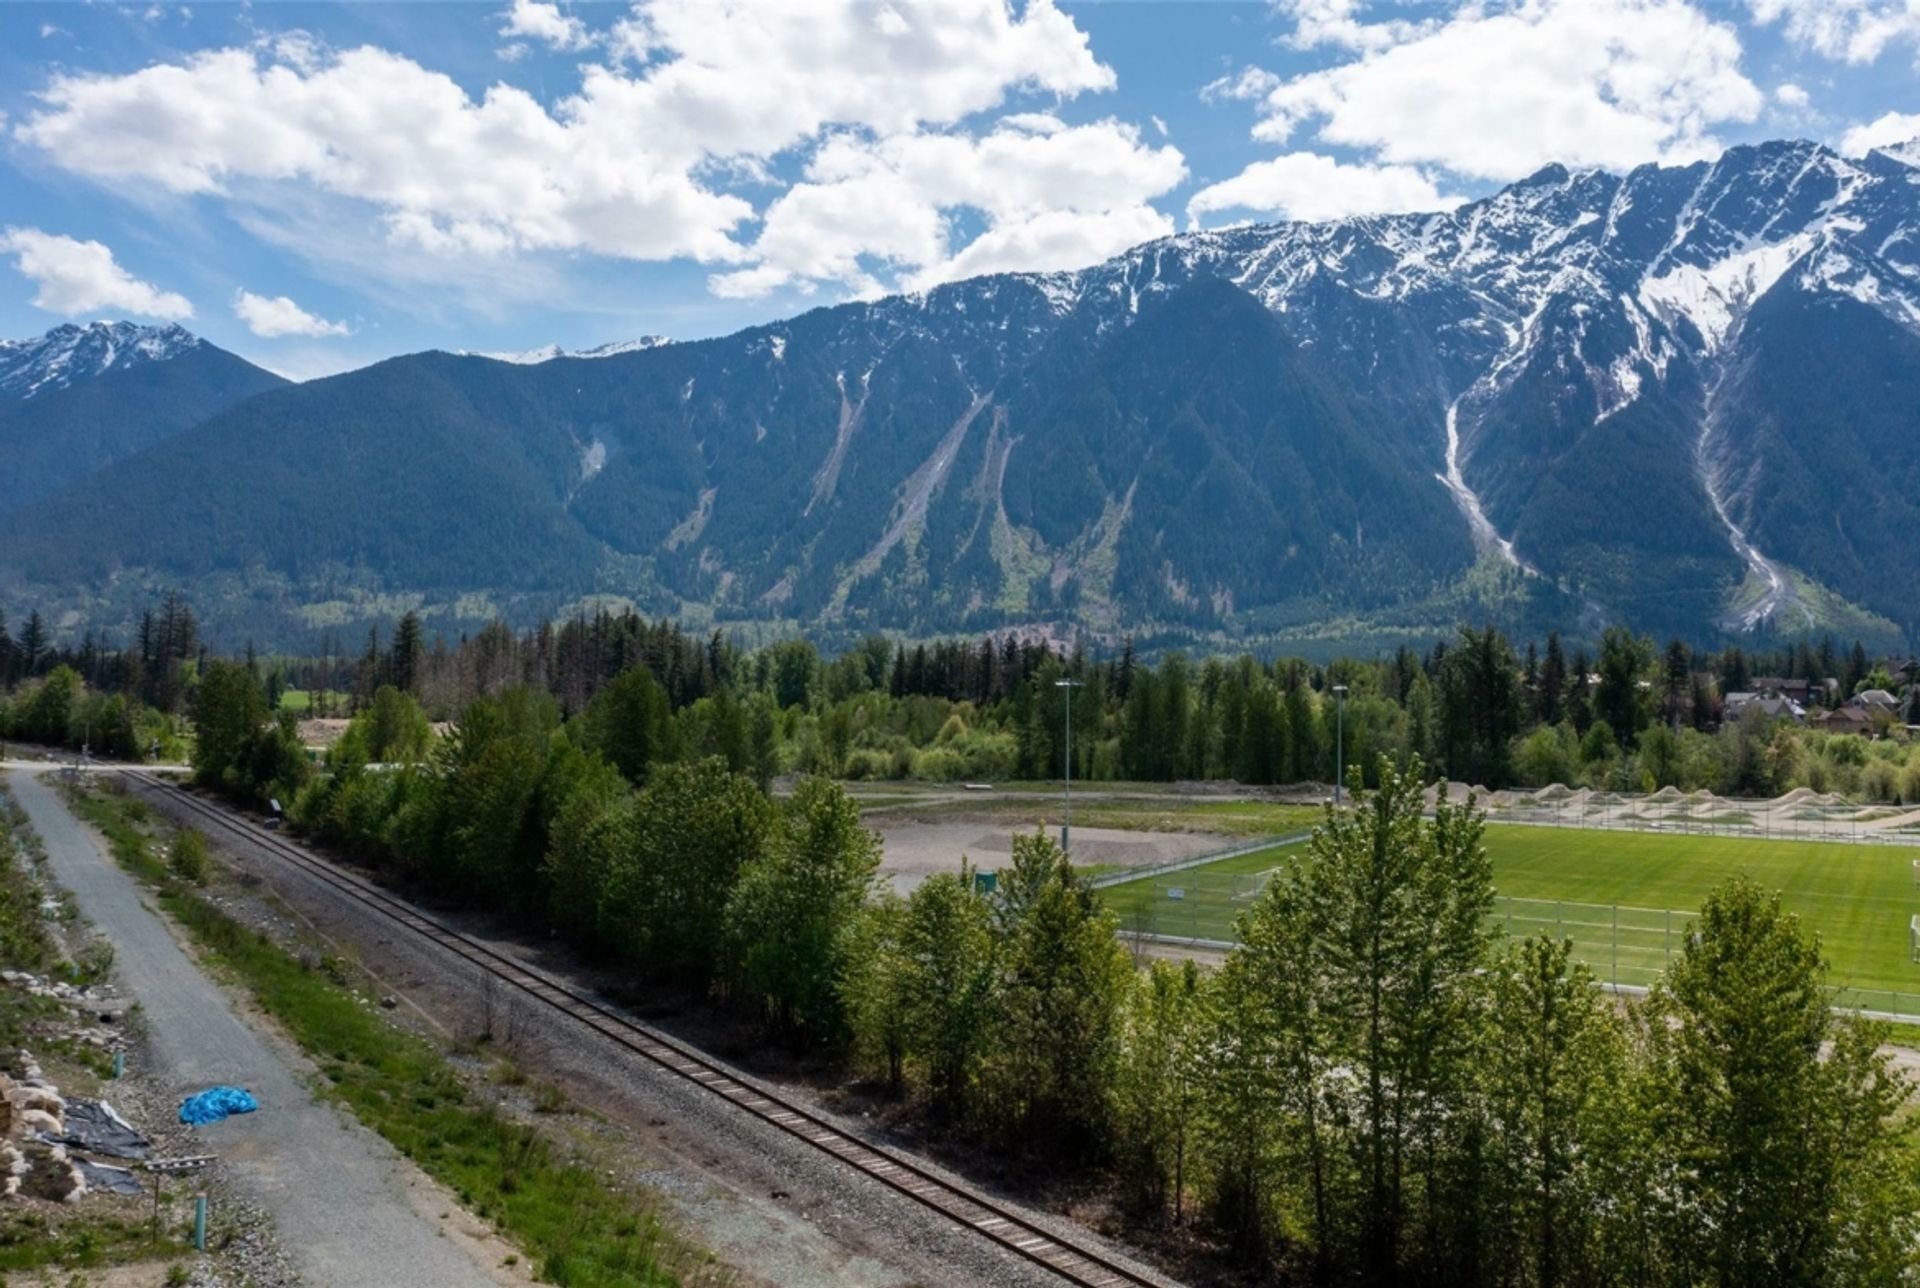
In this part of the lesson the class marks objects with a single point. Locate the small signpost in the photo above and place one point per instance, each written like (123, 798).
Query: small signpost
(161, 1168)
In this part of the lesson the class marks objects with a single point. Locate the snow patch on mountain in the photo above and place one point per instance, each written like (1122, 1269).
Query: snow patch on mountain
(72, 353)
(548, 352)
(1713, 297)
(1485, 535)
(1837, 273)
(1907, 153)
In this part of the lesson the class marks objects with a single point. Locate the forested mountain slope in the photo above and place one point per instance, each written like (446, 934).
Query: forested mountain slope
(1675, 398)
(80, 398)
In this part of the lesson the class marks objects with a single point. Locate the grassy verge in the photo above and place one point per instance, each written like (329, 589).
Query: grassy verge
(79, 1240)
(579, 1228)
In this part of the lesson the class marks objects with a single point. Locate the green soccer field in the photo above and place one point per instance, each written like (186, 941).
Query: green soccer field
(1624, 898)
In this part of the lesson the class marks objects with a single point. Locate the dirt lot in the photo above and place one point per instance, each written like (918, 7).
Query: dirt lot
(914, 850)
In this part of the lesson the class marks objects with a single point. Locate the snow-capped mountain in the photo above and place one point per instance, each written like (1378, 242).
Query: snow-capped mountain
(1682, 398)
(1544, 312)
(71, 353)
(548, 352)
(79, 398)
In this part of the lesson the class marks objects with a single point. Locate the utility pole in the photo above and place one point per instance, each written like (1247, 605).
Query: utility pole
(1339, 742)
(1066, 824)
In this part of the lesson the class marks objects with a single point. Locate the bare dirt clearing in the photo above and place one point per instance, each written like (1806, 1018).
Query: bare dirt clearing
(913, 851)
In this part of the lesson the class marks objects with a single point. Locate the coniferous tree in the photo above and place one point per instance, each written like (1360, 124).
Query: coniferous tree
(1679, 680)
(1622, 698)
(406, 658)
(1734, 676)
(33, 644)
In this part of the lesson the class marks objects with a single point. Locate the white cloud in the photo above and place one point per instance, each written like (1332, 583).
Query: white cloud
(272, 317)
(1310, 186)
(1496, 93)
(80, 277)
(541, 21)
(629, 165)
(462, 177)
(1050, 241)
(1886, 131)
(1317, 23)
(1053, 196)
(756, 75)
(1854, 31)
(1791, 95)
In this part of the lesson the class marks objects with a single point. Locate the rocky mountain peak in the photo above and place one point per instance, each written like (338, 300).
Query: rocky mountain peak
(70, 353)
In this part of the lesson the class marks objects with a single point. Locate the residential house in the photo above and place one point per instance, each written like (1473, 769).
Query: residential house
(1875, 700)
(1781, 686)
(1769, 705)
(1848, 719)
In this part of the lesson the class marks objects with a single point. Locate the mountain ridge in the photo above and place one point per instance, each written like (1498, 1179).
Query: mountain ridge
(1557, 379)
(70, 353)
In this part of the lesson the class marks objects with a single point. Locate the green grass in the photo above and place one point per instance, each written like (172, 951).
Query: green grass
(1210, 895)
(1625, 898)
(581, 1228)
(301, 701)
(81, 1240)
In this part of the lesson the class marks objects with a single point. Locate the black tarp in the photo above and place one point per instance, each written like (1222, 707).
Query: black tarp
(93, 1126)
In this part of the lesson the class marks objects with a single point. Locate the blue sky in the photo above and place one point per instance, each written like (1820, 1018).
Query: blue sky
(317, 186)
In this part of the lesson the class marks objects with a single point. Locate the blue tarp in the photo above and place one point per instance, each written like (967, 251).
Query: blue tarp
(215, 1103)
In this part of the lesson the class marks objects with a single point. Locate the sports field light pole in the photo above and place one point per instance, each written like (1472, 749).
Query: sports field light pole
(1066, 823)
(1339, 741)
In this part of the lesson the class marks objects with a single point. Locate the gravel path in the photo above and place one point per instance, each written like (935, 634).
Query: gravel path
(338, 1193)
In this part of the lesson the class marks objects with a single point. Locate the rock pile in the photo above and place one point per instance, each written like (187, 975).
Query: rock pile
(94, 1007)
(32, 1118)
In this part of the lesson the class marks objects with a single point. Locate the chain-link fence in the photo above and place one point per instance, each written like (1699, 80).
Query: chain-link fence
(1800, 815)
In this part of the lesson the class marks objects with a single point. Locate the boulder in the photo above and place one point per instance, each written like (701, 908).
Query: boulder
(45, 1099)
(29, 1121)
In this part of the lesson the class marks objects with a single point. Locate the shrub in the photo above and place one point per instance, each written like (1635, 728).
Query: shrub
(1880, 781)
(188, 857)
(939, 765)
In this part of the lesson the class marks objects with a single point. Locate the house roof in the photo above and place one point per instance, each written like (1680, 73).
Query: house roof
(1738, 702)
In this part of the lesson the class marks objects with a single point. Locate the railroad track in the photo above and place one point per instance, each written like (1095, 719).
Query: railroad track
(1073, 1262)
